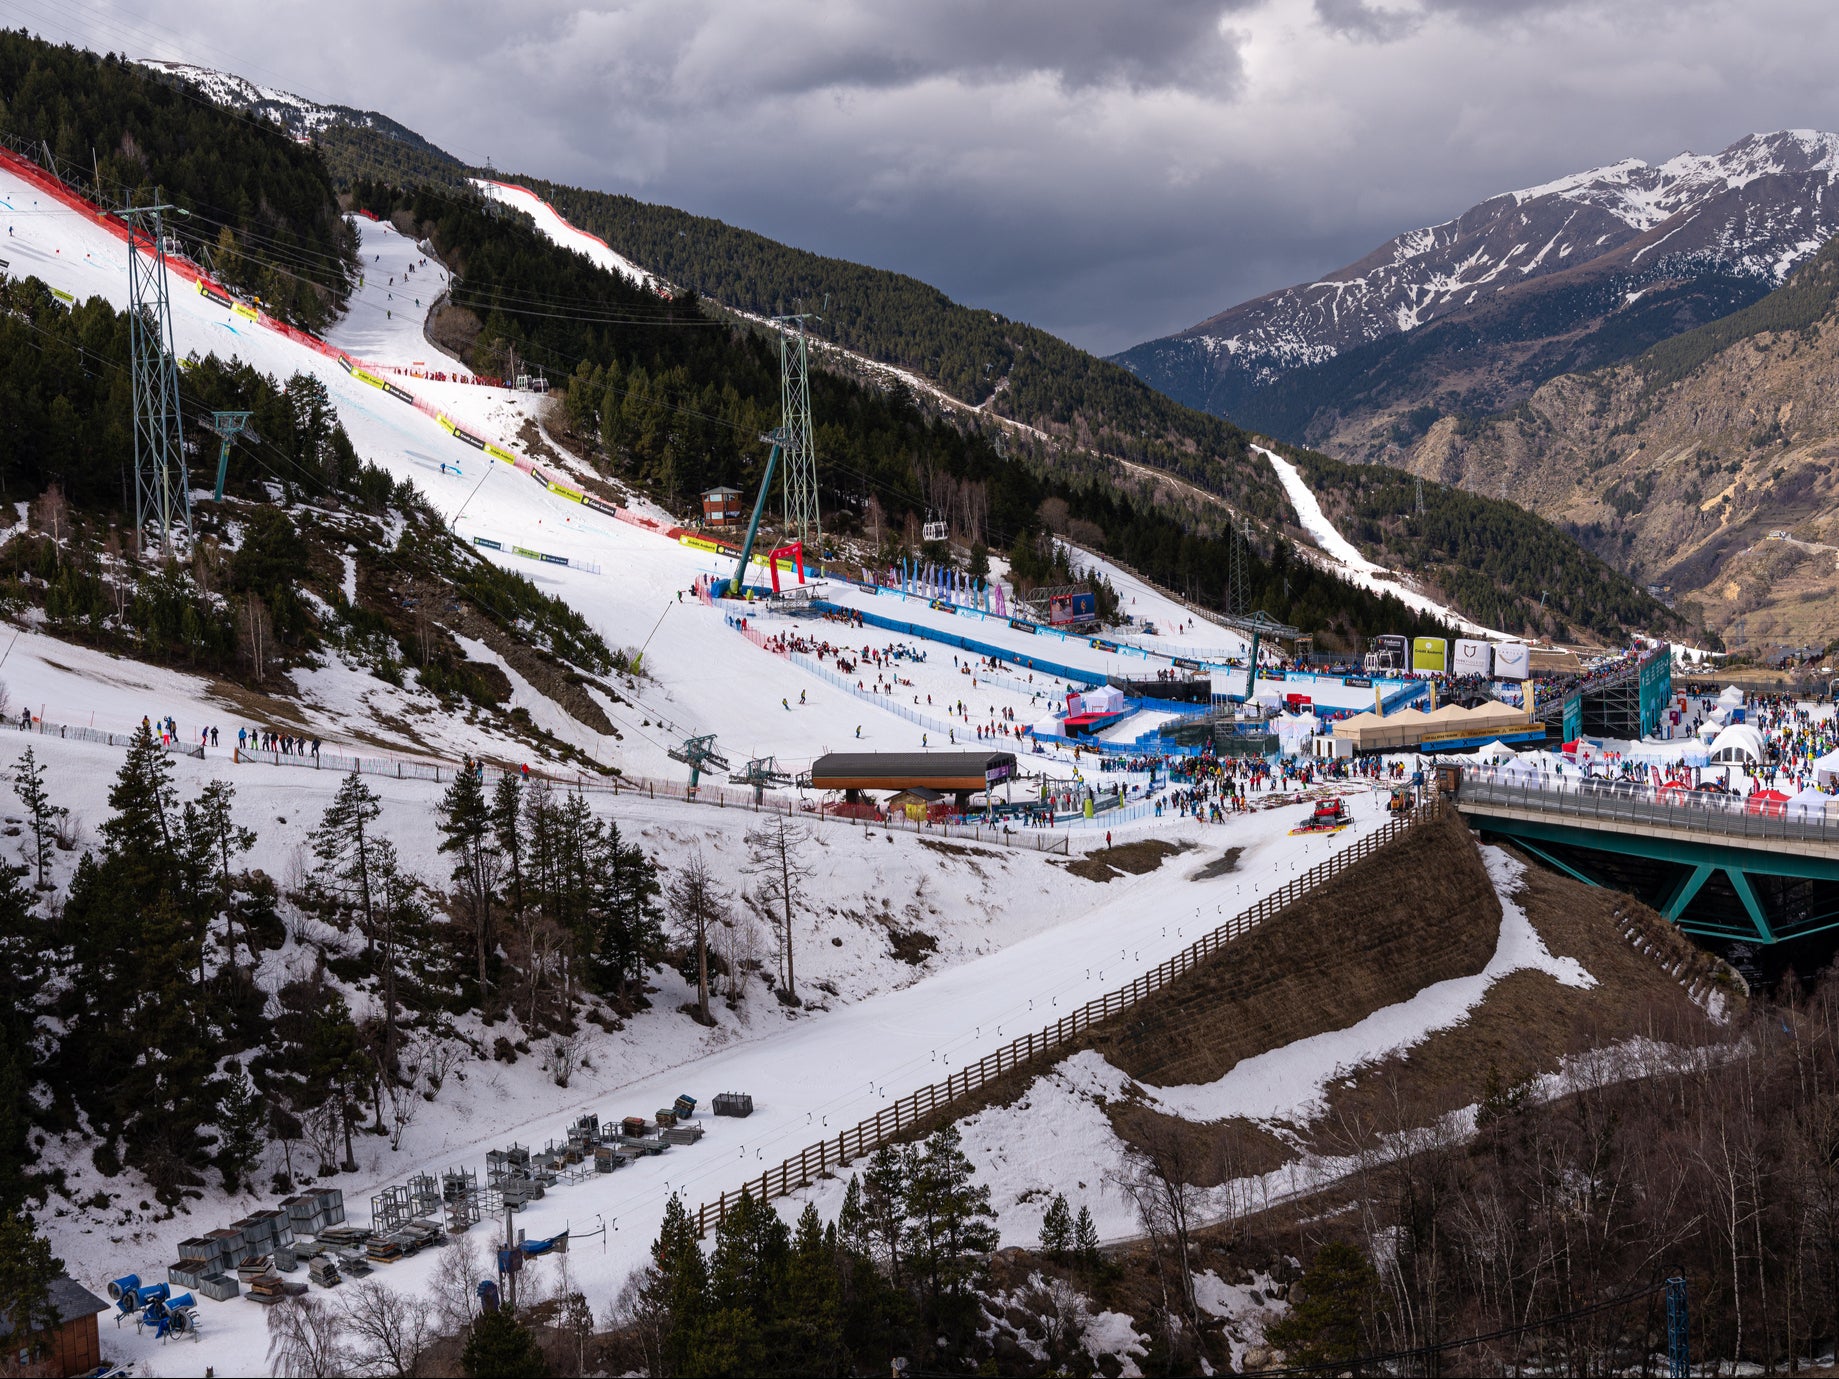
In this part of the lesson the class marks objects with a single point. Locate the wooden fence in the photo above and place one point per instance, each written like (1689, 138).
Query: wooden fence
(912, 1110)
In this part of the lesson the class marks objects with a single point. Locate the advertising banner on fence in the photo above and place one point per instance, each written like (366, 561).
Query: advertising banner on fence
(1429, 655)
(1512, 661)
(1471, 657)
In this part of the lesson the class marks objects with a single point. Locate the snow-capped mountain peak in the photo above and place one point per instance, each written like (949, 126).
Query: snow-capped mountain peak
(1753, 211)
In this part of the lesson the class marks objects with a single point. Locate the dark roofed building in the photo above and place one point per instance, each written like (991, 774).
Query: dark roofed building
(959, 773)
(75, 1345)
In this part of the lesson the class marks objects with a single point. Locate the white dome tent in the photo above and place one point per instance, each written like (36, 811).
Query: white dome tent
(1739, 745)
(1731, 697)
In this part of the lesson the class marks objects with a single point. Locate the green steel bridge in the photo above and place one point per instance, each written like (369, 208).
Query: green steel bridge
(1704, 861)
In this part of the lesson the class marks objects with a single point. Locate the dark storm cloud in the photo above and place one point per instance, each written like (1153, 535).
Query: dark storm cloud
(1109, 170)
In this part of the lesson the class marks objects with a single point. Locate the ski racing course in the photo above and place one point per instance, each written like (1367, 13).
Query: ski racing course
(1050, 942)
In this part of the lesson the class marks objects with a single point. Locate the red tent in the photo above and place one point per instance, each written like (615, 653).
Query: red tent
(1771, 802)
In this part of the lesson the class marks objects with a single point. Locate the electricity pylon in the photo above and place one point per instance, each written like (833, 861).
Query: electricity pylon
(801, 517)
(162, 493)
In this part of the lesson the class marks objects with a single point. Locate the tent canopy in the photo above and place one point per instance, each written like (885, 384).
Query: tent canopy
(1740, 742)
(1731, 697)
(1810, 804)
(1496, 751)
(1826, 769)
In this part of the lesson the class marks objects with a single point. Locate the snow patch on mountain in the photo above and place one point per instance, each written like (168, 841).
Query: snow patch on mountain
(1757, 209)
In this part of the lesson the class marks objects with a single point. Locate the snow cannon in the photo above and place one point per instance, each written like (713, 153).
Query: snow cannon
(127, 1283)
(181, 1317)
(488, 1295)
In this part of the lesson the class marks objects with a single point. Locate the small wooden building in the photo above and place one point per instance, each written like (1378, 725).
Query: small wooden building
(74, 1346)
(721, 507)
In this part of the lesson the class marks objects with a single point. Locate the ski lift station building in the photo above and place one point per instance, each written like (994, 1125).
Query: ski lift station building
(959, 774)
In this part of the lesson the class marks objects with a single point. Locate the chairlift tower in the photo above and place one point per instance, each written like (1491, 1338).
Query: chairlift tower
(162, 491)
(801, 516)
(699, 754)
(228, 426)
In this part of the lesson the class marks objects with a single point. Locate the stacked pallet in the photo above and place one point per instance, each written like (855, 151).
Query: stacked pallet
(267, 1288)
(683, 1134)
(323, 1270)
(734, 1104)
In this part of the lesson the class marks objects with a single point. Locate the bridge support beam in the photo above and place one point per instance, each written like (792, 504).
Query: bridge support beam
(1747, 894)
(1683, 890)
(1551, 859)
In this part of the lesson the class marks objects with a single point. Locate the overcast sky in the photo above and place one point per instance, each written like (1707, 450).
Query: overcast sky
(1112, 170)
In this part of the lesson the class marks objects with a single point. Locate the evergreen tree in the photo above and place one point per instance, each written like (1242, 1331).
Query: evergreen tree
(810, 1337)
(674, 1290)
(27, 1267)
(24, 955)
(1057, 1230)
(217, 832)
(507, 816)
(885, 1184)
(501, 1347)
(140, 831)
(1326, 1328)
(627, 923)
(746, 1279)
(1085, 1238)
(41, 815)
(345, 846)
(950, 1233)
(241, 1122)
(468, 833)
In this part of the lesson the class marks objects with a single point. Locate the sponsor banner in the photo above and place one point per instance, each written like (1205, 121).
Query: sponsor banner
(701, 543)
(1001, 771)
(344, 362)
(1513, 661)
(366, 376)
(1098, 644)
(1272, 674)
(498, 452)
(526, 551)
(469, 438)
(589, 500)
(556, 559)
(1021, 626)
(399, 394)
(1185, 664)
(1430, 654)
(1472, 657)
(940, 606)
(221, 298)
(446, 423)
(247, 312)
(67, 298)
(563, 491)
(488, 543)
(1357, 682)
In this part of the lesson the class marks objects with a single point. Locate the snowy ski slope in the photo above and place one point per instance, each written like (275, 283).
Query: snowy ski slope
(1019, 934)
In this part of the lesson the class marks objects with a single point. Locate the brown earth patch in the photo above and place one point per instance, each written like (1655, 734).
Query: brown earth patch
(1136, 859)
(1223, 865)
(1529, 1022)
(1420, 911)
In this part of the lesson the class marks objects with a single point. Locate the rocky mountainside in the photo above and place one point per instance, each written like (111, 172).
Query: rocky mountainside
(1472, 314)
(1705, 466)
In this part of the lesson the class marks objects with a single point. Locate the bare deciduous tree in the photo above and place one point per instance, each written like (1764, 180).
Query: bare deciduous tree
(697, 905)
(387, 1330)
(778, 849)
(306, 1339)
(451, 1289)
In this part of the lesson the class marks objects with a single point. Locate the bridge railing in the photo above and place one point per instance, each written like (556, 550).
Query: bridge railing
(1625, 802)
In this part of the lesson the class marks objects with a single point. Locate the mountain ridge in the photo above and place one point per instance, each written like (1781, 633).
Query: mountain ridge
(1574, 258)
